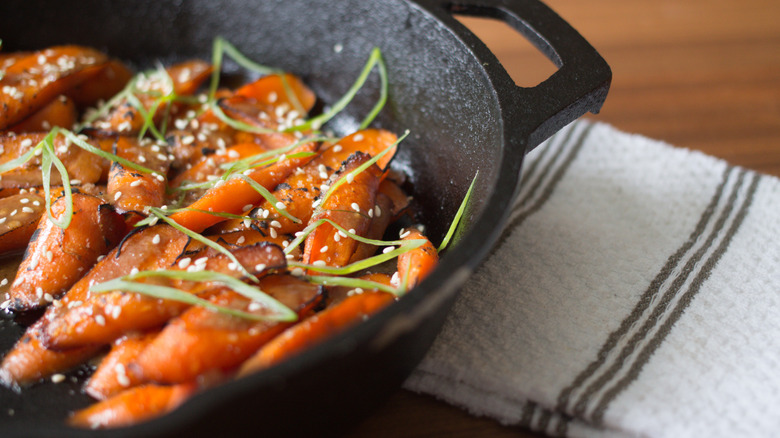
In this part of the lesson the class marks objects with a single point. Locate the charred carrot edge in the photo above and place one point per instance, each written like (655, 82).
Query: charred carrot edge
(316, 329)
(55, 258)
(233, 195)
(415, 265)
(111, 79)
(133, 406)
(17, 229)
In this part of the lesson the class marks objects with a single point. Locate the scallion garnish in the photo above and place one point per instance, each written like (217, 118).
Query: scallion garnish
(48, 157)
(353, 283)
(458, 215)
(268, 197)
(366, 263)
(301, 236)
(169, 293)
(316, 122)
(281, 312)
(211, 244)
(75, 139)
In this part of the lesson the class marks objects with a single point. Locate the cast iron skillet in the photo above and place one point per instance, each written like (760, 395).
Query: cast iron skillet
(465, 115)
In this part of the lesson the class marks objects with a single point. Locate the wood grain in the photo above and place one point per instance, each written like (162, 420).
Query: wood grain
(700, 74)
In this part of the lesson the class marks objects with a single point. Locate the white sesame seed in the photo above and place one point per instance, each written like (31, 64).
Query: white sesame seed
(337, 48)
(358, 137)
(26, 143)
(27, 210)
(324, 248)
(388, 249)
(201, 261)
(254, 305)
(377, 211)
(156, 239)
(183, 263)
(405, 233)
(276, 224)
(272, 97)
(247, 207)
(24, 201)
(100, 319)
(136, 183)
(134, 271)
(49, 255)
(336, 237)
(13, 213)
(319, 263)
(260, 267)
(57, 378)
(280, 205)
(4, 282)
(117, 196)
(337, 148)
(355, 207)
(350, 177)
(48, 297)
(273, 233)
(240, 240)
(297, 272)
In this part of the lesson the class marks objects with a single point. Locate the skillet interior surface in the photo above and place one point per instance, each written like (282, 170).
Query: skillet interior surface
(438, 89)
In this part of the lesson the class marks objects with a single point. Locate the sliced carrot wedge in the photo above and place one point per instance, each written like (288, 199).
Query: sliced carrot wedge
(416, 264)
(270, 90)
(377, 228)
(29, 361)
(17, 223)
(200, 340)
(233, 195)
(111, 376)
(133, 406)
(111, 79)
(61, 112)
(103, 318)
(317, 328)
(56, 259)
(131, 190)
(35, 80)
(399, 198)
(348, 206)
(82, 166)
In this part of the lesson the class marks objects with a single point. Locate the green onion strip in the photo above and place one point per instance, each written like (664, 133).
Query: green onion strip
(458, 215)
(49, 157)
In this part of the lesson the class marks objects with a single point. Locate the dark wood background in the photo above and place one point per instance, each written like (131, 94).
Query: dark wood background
(700, 74)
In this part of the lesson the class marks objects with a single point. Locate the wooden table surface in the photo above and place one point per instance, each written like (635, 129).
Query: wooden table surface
(700, 74)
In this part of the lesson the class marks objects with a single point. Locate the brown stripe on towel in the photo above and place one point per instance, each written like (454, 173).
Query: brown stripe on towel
(644, 302)
(682, 304)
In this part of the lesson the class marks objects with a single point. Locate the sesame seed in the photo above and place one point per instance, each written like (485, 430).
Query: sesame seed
(358, 137)
(350, 177)
(319, 263)
(75, 182)
(26, 143)
(135, 183)
(405, 233)
(337, 148)
(247, 207)
(48, 297)
(324, 248)
(377, 211)
(276, 224)
(297, 272)
(388, 249)
(13, 213)
(33, 263)
(134, 271)
(117, 196)
(116, 311)
(272, 97)
(2, 220)
(24, 201)
(336, 237)
(273, 233)
(183, 263)
(57, 378)
(49, 255)
(201, 261)
(280, 205)
(260, 267)
(355, 207)
(4, 282)
(27, 210)
(254, 305)
(240, 240)
(100, 319)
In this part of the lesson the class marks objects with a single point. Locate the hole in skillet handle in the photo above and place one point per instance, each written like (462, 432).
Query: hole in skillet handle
(579, 85)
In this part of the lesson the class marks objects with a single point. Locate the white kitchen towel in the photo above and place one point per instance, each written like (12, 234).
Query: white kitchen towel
(635, 292)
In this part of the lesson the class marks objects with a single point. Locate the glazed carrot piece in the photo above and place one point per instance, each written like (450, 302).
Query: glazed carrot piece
(377, 228)
(233, 195)
(125, 118)
(17, 228)
(29, 361)
(210, 167)
(111, 79)
(111, 376)
(104, 317)
(271, 90)
(131, 190)
(133, 406)
(348, 206)
(35, 80)
(200, 340)
(339, 316)
(55, 258)
(61, 112)
(419, 262)
(82, 166)
(399, 198)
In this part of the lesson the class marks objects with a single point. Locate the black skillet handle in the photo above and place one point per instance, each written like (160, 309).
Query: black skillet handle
(580, 85)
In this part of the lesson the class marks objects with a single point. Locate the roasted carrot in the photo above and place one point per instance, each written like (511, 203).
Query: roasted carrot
(200, 340)
(35, 80)
(271, 90)
(125, 119)
(348, 206)
(29, 361)
(233, 195)
(376, 230)
(131, 190)
(315, 329)
(111, 376)
(110, 80)
(133, 406)
(82, 166)
(399, 198)
(104, 317)
(416, 264)
(55, 258)
(61, 112)
(17, 223)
